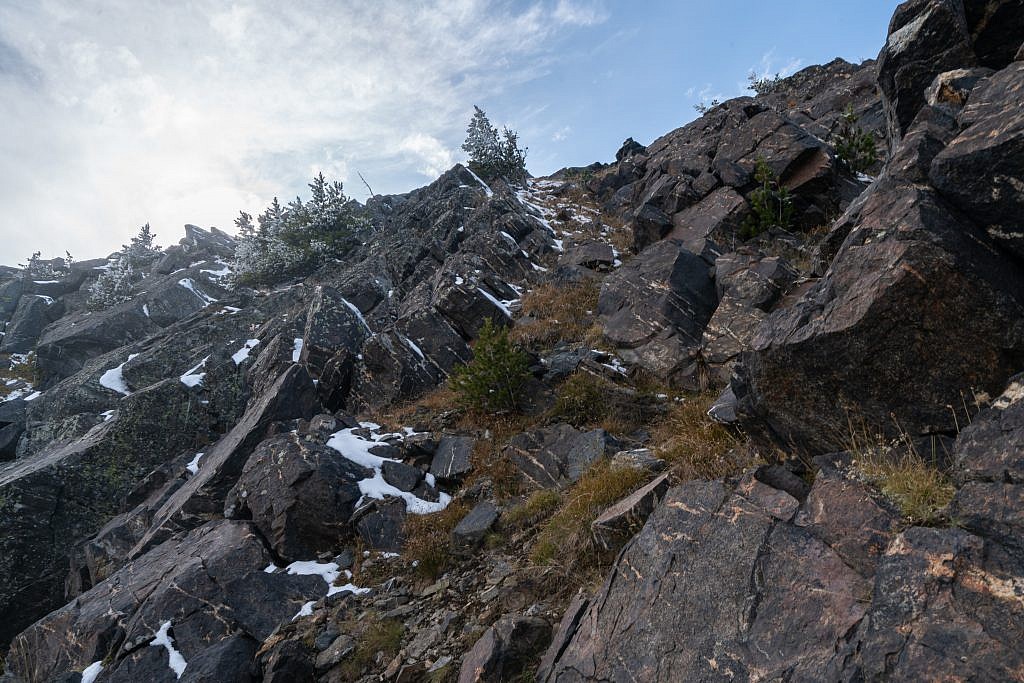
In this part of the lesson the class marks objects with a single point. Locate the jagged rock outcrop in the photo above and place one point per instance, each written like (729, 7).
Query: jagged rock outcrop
(913, 256)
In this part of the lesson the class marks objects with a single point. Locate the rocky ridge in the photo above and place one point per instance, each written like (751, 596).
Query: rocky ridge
(211, 482)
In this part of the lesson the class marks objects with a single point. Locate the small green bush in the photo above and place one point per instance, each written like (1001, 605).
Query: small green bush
(771, 205)
(492, 381)
(853, 144)
(765, 85)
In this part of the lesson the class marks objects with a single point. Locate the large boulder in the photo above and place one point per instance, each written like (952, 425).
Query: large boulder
(926, 37)
(299, 494)
(64, 494)
(33, 314)
(291, 396)
(654, 308)
(718, 585)
(553, 457)
(210, 586)
(505, 650)
(881, 340)
(981, 171)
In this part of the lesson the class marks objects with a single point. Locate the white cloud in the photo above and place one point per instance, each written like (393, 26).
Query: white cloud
(561, 134)
(579, 14)
(170, 113)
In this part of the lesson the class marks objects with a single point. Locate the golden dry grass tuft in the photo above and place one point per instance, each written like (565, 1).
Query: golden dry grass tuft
(916, 486)
(565, 540)
(16, 369)
(696, 446)
(376, 640)
(539, 506)
(558, 314)
(428, 539)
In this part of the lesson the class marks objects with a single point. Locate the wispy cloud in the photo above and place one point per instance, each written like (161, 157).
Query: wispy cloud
(118, 113)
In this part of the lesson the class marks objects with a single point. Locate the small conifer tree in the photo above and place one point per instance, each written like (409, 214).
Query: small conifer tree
(494, 155)
(113, 286)
(771, 205)
(493, 380)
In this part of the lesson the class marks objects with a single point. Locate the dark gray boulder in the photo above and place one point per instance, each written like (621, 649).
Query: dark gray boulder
(717, 585)
(211, 587)
(981, 170)
(299, 494)
(553, 457)
(10, 293)
(472, 528)
(9, 436)
(909, 259)
(66, 493)
(403, 477)
(452, 458)
(505, 650)
(33, 314)
(926, 37)
(655, 307)
(291, 396)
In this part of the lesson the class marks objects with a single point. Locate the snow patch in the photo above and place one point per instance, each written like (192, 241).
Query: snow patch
(107, 415)
(113, 378)
(357, 449)
(487, 188)
(145, 310)
(359, 314)
(500, 305)
(305, 611)
(412, 345)
(329, 572)
(92, 671)
(190, 284)
(174, 658)
(297, 349)
(193, 377)
(193, 465)
(242, 354)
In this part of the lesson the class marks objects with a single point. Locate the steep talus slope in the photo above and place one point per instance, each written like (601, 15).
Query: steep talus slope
(215, 482)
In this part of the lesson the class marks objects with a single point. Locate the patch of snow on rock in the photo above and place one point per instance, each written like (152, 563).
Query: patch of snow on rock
(242, 354)
(174, 658)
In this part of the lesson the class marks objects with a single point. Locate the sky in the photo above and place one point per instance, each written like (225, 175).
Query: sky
(120, 112)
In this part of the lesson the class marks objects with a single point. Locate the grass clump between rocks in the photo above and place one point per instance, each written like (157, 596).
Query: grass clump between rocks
(581, 399)
(916, 486)
(380, 639)
(565, 540)
(555, 314)
(694, 445)
(428, 539)
(539, 506)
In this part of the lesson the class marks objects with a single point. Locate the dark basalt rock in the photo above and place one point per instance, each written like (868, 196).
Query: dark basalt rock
(553, 457)
(717, 585)
(66, 493)
(505, 649)
(210, 585)
(31, 317)
(981, 170)
(452, 458)
(655, 308)
(910, 258)
(291, 396)
(472, 528)
(299, 494)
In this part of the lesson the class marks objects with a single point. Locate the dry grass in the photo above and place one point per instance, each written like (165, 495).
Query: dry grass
(916, 486)
(534, 510)
(581, 399)
(423, 409)
(696, 446)
(558, 314)
(428, 539)
(565, 540)
(377, 640)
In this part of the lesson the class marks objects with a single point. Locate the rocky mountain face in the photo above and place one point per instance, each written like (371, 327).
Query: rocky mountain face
(213, 482)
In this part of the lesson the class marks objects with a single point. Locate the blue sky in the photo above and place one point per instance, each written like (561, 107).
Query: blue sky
(119, 112)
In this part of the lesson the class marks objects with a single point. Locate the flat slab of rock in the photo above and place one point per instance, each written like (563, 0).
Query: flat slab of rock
(616, 524)
(552, 457)
(470, 531)
(452, 458)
